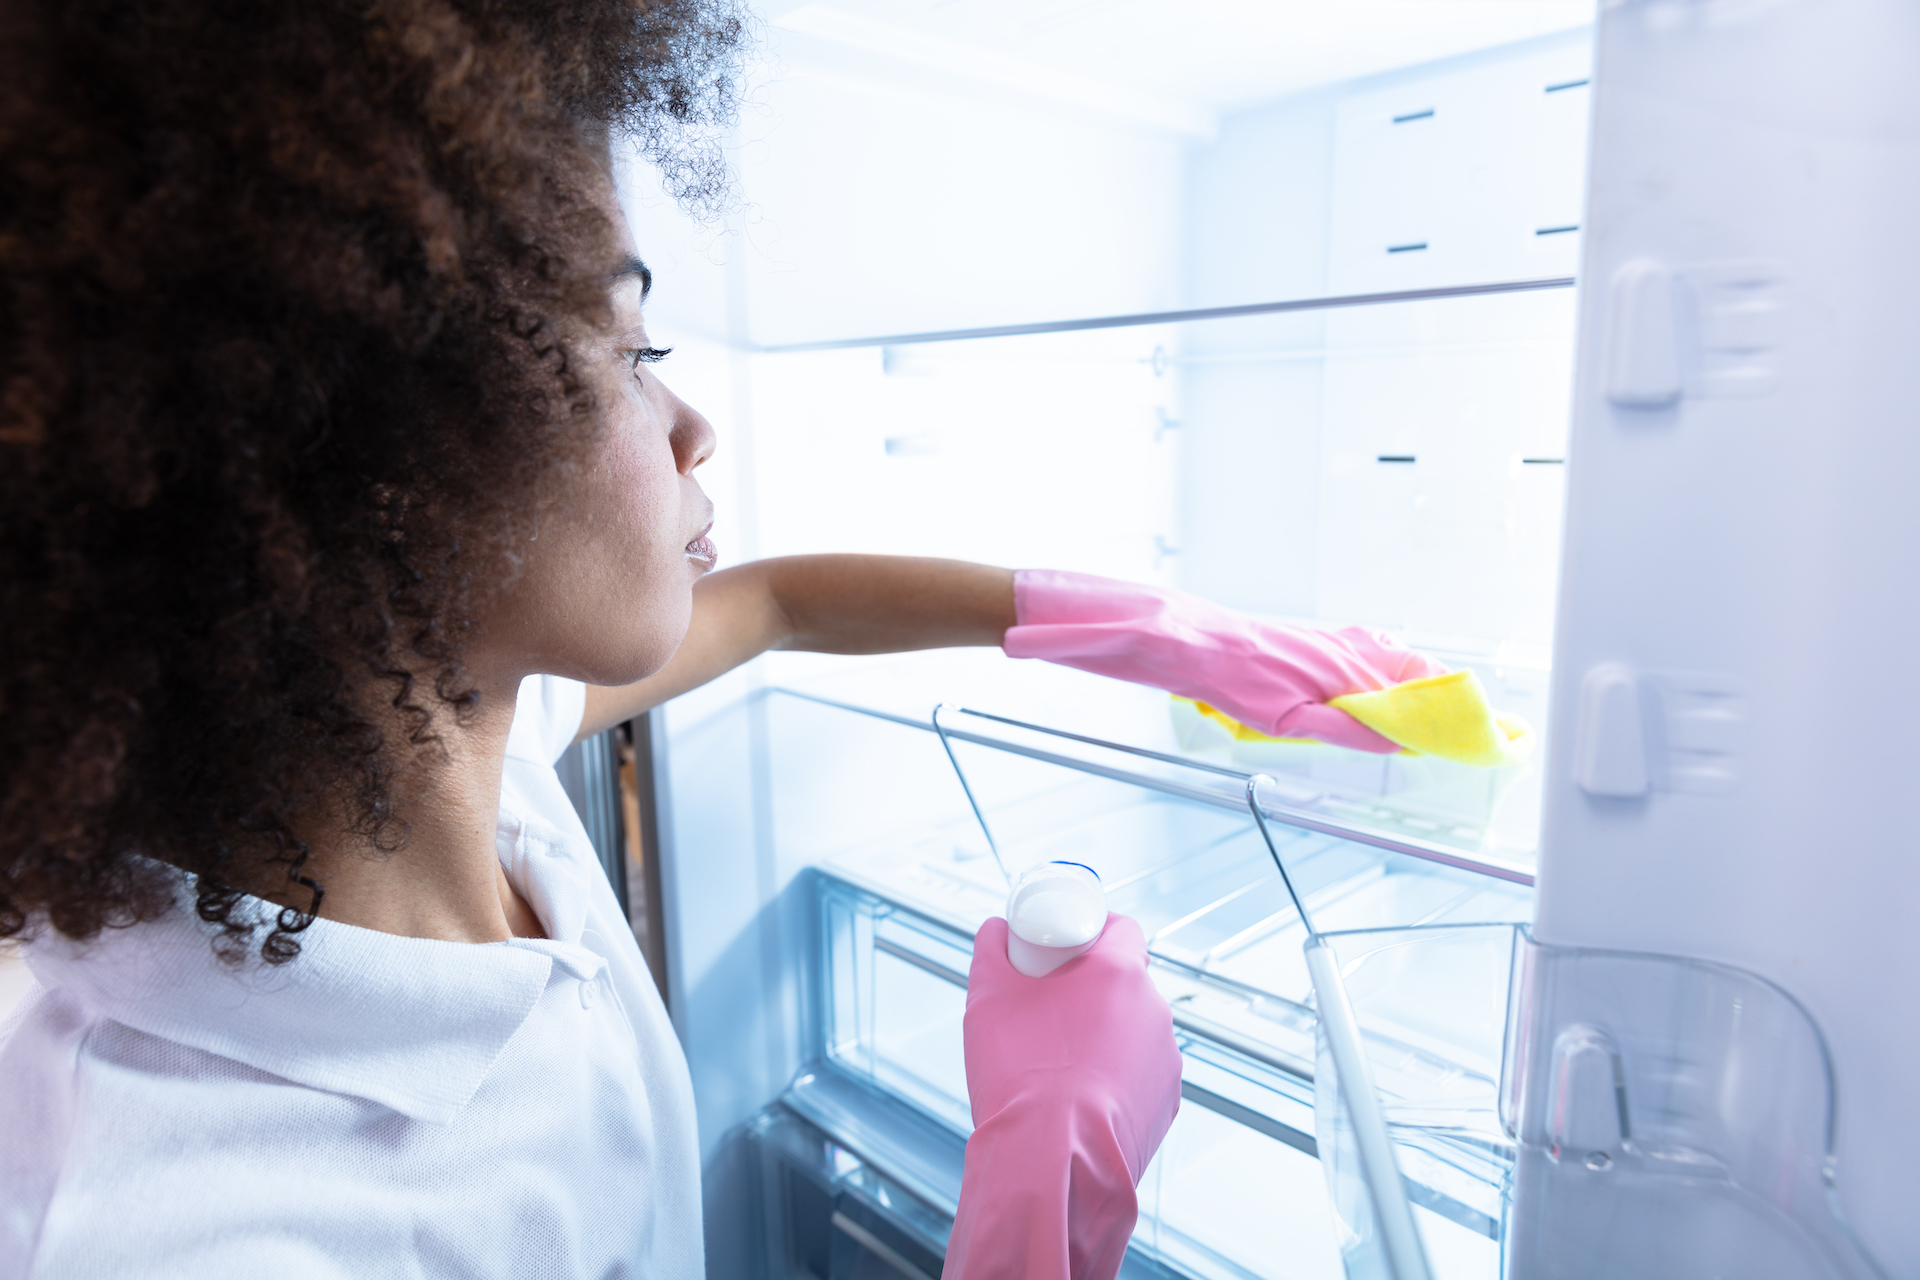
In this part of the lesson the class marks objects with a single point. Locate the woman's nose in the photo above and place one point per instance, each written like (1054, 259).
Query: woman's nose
(693, 438)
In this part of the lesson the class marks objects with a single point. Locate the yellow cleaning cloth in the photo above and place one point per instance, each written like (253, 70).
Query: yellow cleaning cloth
(1445, 716)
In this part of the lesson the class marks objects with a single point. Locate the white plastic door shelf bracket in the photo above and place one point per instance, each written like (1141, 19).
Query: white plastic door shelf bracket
(1643, 369)
(1611, 757)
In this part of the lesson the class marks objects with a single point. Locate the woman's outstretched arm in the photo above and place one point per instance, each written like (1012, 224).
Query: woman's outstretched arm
(826, 604)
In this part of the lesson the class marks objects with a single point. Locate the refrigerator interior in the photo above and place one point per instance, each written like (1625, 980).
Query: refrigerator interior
(1396, 464)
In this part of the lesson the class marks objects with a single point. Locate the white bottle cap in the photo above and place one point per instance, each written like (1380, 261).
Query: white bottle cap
(1057, 911)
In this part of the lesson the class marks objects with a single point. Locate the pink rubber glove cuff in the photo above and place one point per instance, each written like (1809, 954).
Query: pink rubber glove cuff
(1074, 1080)
(1268, 675)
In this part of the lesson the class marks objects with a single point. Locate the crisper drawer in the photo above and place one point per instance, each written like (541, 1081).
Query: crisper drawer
(1237, 1189)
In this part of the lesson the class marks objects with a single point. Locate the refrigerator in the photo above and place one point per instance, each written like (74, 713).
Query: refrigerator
(1570, 346)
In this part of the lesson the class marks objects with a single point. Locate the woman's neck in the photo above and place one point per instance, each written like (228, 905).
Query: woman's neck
(445, 881)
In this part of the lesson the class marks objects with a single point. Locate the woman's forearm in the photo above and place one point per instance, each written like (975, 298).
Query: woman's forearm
(826, 604)
(888, 604)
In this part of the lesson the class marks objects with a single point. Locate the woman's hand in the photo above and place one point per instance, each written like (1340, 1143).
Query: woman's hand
(1074, 1080)
(1268, 675)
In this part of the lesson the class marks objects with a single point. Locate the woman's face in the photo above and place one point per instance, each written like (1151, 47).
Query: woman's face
(606, 586)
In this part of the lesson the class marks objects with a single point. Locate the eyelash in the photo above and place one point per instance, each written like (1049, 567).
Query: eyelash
(646, 355)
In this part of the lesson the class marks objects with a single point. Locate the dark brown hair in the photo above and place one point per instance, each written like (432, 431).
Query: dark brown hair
(288, 293)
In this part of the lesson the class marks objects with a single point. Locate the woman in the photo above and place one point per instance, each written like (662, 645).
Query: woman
(340, 494)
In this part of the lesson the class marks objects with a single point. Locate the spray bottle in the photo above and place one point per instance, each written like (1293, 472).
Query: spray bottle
(1057, 911)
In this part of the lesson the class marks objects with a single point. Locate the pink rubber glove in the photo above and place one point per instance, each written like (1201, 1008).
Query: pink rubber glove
(1074, 1079)
(1267, 675)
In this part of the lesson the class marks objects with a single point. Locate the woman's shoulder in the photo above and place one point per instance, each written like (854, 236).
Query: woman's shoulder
(39, 1041)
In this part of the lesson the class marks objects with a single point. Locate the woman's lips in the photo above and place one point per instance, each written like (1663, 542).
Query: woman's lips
(702, 551)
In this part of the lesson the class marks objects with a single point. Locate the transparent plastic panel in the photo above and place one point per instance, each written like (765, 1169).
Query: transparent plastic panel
(1431, 1004)
(1568, 1114)
(1236, 1190)
(895, 988)
(846, 930)
(1675, 1119)
(1227, 1200)
(1362, 1249)
(917, 1043)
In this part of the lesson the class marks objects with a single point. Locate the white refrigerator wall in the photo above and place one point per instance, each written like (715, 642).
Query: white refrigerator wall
(1395, 465)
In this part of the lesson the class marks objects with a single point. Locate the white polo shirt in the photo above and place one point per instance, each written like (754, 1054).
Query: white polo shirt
(382, 1106)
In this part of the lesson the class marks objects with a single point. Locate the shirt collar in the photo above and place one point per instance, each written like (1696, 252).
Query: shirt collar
(413, 1024)
(542, 864)
(549, 874)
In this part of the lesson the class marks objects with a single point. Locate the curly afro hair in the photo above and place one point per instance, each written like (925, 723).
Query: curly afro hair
(289, 293)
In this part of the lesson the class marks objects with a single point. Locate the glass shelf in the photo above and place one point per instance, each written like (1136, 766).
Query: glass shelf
(1301, 797)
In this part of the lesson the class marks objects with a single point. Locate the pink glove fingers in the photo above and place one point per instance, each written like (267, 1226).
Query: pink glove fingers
(1268, 675)
(1390, 657)
(1332, 725)
(1074, 1080)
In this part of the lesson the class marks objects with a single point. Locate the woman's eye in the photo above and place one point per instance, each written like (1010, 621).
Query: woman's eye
(638, 356)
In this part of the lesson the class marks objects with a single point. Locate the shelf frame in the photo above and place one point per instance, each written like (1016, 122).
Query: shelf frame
(1235, 800)
(1331, 302)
